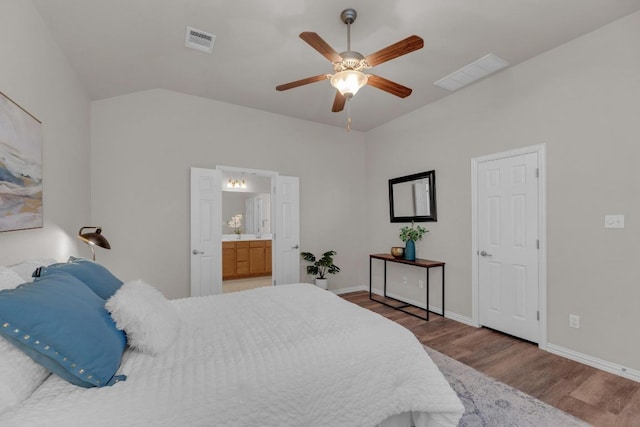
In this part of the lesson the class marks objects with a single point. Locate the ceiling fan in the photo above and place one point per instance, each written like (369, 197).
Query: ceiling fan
(348, 66)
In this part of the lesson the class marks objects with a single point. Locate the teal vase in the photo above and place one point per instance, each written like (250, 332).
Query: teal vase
(410, 250)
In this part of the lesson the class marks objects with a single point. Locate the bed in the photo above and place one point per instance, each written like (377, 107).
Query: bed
(290, 355)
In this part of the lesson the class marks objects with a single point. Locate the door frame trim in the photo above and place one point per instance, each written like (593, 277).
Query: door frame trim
(540, 149)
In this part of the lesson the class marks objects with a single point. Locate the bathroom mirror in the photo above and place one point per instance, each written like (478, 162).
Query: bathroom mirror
(413, 197)
(250, 196)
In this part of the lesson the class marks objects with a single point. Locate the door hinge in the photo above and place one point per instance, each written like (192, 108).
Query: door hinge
(538, 315)
(537, 173)
(537, 244)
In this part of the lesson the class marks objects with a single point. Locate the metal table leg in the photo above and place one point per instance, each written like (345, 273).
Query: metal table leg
(427, 306)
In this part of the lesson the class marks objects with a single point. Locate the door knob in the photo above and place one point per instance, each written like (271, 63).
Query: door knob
(485, 253)
(295, 247)
(197, 252)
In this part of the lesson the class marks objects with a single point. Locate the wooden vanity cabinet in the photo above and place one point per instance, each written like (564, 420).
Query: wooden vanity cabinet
(228, 259)
(257, 256)
(246, 258)
(267, 257)
(242, 258)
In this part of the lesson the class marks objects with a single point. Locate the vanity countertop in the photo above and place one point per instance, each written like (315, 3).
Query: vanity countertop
(233, 237)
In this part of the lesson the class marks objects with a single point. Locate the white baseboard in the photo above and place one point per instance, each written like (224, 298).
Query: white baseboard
(462, 319)
(594, 362)
(449, 314)
(433, 309)
(348, 290)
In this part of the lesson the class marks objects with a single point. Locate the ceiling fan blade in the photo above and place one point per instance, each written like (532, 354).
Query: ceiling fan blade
(400, 48)
(316, 42)
(303, 82)
(388, 86)
(338, 102)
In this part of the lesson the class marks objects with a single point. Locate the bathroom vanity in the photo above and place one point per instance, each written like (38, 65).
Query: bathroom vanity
(246, 257)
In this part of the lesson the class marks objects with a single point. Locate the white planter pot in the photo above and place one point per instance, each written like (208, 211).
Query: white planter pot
(322, 283)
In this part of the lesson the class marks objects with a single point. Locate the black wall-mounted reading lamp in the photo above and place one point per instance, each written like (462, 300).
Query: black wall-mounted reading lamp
(93, 238)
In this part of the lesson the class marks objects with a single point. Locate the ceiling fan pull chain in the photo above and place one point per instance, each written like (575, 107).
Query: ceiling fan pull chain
(348, 115)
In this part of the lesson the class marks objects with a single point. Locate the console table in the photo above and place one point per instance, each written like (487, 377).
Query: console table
(423, 263)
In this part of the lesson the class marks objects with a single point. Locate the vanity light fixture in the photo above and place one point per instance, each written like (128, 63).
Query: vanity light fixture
(93, 238)
(236, 183)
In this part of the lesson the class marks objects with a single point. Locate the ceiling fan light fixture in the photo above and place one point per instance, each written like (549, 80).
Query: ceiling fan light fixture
(348, 66)
(348, 82)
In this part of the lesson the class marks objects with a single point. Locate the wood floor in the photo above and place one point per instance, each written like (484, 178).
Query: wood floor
(600, 398)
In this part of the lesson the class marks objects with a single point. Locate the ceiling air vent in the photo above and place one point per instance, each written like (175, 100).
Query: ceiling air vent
(199, 40)
(468, 74)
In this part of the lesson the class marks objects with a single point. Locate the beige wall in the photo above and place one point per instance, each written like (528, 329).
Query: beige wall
(583, 101)
(36, 75)
(143, 145)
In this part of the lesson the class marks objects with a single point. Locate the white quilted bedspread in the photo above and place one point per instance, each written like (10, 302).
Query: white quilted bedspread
(289, 355)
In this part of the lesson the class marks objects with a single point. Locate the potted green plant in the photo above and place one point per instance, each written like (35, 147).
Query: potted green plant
(321, 267)
(410, 235)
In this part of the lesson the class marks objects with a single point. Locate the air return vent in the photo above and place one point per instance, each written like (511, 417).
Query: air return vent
(468, 74)
(199, 40)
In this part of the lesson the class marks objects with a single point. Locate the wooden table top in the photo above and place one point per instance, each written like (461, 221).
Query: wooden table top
(418, 262)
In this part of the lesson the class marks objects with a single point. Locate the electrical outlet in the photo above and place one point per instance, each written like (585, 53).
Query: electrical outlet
(574, 321)
(614, 221)
(421, 284)
(404, 280)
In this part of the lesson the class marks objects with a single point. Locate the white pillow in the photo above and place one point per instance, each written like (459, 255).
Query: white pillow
(26, 268)
(19, 374)
(149, 320)
(9, 279)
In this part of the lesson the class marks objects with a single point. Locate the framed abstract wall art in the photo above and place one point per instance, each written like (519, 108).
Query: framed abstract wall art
(20, 167)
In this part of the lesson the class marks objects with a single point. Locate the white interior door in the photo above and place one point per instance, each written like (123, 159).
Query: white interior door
(206, 232)
(508, 245)
(286, 268)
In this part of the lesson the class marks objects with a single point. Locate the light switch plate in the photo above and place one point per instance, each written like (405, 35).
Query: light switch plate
(614, 221)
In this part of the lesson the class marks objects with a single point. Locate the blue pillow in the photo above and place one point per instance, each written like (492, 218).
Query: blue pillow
(95, 276)
(62, 325)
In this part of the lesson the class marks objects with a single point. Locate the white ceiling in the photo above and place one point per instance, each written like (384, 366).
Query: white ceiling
(123, 46)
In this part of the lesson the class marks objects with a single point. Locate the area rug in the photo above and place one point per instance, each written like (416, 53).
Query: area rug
(490, 403)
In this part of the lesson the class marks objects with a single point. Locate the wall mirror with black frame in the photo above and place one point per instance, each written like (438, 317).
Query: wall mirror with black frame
(413, 197)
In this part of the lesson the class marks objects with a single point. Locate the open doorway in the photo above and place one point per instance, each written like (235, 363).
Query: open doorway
(207, 225)
(247, 233)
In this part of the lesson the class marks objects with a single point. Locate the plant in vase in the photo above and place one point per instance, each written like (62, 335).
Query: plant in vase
(236, 222)
(321, 267)
(410, 235)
